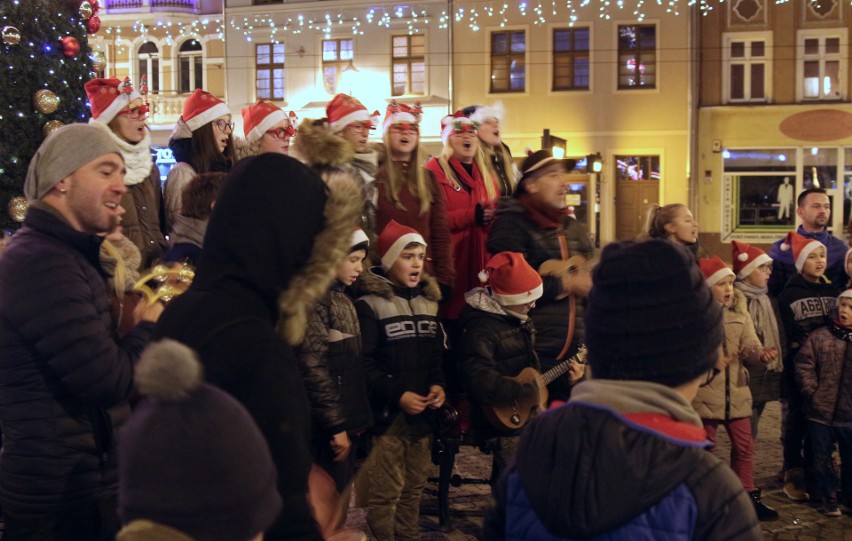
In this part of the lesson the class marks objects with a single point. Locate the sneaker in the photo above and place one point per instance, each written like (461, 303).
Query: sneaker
(763, 511)
(830, 508)
(794, 485)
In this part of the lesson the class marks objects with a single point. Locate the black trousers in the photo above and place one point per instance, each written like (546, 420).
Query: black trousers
(87, 520)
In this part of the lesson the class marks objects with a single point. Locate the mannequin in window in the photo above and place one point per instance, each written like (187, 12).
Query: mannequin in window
(785, 199)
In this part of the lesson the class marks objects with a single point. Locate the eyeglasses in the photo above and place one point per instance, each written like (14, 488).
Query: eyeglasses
(404, 127)
(282, 133)
(361, 126)
(465, 127)
(222, 125)
(135, 113)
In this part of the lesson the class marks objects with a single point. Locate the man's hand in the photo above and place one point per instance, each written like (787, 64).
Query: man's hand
(575, 372)
(436, 397)
(413, 403)
(146, 312)
(340, 445)
(578, 283)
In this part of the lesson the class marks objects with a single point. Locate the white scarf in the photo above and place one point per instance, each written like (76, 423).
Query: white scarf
(137, 157)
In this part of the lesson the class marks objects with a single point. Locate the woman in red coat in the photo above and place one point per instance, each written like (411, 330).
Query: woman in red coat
(469, 191)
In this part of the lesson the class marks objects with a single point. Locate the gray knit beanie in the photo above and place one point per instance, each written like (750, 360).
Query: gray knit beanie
(63, 152)
(651, 316)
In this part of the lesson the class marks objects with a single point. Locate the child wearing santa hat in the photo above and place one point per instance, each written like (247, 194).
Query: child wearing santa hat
(202, 142)
(497, 343)
(806, 301)
(119, 109)
(725, 399)
(403, 347)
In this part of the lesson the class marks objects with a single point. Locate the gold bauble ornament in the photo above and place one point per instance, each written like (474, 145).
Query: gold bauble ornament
(51, 126)
(86, 10)
(98, 61)
(11, 35)
(18, 208)
(45, 101)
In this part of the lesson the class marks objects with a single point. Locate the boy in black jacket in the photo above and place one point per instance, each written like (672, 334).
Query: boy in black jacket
(403, 346)
(805, 302)
(498, 343)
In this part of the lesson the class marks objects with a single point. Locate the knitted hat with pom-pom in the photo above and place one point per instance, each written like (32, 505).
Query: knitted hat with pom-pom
(191, 457)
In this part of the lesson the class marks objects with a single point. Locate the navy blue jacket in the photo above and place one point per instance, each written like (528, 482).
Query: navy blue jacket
(65, 376)
(583, 471)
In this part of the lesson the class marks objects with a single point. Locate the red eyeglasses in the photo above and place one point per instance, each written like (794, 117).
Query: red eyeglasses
(281, 133)
(361, 126)
(404, 127)
(135, 113)
(464, 127)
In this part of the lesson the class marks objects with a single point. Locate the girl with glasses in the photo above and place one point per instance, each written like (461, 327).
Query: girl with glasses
(267, 129)
(202, 142)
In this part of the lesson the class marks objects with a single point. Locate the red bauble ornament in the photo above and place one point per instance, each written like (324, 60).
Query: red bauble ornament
(70, 46)
(96, 6)
(93, 24)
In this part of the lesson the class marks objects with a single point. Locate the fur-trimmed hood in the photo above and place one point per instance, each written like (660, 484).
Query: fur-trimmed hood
(374, 282)
(244, 149)
(317, 146)
(740, 304)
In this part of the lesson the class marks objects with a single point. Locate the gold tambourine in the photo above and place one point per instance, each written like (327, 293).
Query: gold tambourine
(169, 282)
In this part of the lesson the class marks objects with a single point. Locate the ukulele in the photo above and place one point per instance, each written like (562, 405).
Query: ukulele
(169, 282)
(516, 414)
(558, 267)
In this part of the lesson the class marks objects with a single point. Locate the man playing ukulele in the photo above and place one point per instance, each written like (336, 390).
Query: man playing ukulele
(498, 346)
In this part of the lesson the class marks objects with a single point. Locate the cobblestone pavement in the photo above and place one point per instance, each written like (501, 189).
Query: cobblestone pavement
(798, 522)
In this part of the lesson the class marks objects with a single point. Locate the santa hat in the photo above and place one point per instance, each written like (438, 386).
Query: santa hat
(201, 108)
(343, 110)
(392, 241)
(358, 240)
(259, 118)
(747, 258)
(483, 113)
(449, 123)
(400, 113)
(847, 294)
(714, 269)
(801, 246)
(109, 96)
(513, 281)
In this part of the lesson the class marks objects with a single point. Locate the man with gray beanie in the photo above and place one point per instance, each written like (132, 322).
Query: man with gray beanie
(65, 375)
(626, 457)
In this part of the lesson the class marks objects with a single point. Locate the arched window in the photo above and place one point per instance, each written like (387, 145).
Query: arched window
(149, 64)
(191, 72)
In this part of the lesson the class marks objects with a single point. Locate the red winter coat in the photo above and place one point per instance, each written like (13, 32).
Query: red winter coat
(469, 253)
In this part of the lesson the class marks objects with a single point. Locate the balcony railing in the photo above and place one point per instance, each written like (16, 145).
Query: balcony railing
(165, 108)
(152, 5)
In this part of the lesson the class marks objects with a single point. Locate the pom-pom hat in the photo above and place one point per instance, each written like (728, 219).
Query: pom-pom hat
(714, 269)
(450, 122)
(400, 113)
(801, 246)
(343, 110)
(191, 457)
(392, 241)
(747, 258)
(483, 113)
(260, 117)
(109, 96)
(512, 280)
(846, 294)
(201, 108)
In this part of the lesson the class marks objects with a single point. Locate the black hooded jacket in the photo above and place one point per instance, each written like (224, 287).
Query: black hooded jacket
(260, 234)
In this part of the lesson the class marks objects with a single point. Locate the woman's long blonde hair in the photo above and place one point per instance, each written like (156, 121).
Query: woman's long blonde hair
(479, 160)
(508, 163)
(415, 180)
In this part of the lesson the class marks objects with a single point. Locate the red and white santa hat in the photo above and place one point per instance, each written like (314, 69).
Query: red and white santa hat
(359, 237)
(261, 117)
(201, 108)
(109, 96)
(449, 123)
(400, 113)
(484, 113)
(801, 246)
(512, 280)
(714, 269)
(343, 110)
(392, 241)
(747, 258)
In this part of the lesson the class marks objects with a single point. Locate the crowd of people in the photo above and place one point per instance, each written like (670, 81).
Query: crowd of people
(345, 297)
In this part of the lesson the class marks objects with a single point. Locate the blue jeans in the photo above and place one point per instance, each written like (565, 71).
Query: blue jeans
(822, 444)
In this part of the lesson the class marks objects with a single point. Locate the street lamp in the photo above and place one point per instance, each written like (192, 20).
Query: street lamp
(556, 145)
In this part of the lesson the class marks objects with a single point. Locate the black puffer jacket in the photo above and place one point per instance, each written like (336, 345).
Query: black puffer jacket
(513, 231)
(65, 377)
(495, 345)
(331, 364)
(403, 345)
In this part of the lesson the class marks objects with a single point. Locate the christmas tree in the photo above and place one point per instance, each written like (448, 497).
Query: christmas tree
(45, 63)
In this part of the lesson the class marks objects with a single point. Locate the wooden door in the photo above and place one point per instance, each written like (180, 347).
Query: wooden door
(632, 199)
